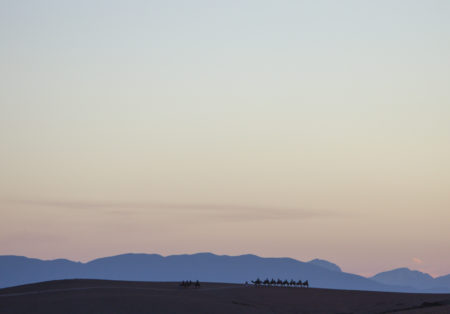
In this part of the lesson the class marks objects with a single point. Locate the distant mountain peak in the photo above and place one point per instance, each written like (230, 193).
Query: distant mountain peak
(405, 277)
(406, 271)
(325, 264)
(401, 269)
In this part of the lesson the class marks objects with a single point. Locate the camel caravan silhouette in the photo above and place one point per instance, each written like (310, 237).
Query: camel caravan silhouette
(258, 283)
(188, 283)
(280, 283)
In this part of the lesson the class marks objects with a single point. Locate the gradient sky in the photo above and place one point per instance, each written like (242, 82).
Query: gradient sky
(280, 128)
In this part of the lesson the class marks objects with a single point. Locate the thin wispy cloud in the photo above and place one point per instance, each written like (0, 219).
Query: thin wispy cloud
(226, 212)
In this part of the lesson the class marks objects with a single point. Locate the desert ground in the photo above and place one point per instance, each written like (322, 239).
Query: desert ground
(105, 296)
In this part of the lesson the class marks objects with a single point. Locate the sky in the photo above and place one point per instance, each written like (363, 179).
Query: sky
(306, 129)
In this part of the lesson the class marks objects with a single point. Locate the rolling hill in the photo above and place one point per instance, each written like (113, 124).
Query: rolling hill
(84, 296)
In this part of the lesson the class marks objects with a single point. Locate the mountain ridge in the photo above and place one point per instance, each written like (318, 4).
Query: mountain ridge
(326, 264)
(413, 278)
(205, 266)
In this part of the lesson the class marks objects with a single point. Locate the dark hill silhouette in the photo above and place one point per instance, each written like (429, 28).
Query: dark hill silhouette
(133, 297)
(206, 267)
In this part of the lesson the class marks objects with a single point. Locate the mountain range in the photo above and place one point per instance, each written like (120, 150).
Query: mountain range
(208, 267)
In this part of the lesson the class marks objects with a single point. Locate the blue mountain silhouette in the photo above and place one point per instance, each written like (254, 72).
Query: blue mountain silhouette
(413, 278)
(16, 270)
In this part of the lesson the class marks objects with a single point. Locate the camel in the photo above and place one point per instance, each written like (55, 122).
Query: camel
(257, 282)
(279, 283)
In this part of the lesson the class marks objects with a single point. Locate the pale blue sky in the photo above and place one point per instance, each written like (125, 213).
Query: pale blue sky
(333, 113)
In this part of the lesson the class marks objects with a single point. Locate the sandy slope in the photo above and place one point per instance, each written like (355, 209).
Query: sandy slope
(101, 296)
